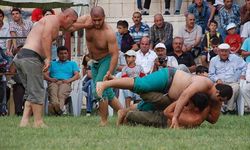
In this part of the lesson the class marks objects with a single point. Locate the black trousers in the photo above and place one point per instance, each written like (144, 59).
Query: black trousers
(18, 93)
(148, 2)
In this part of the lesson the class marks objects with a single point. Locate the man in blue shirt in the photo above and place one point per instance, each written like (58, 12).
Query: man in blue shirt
(201, 11)
(229, 69)
(60, 76)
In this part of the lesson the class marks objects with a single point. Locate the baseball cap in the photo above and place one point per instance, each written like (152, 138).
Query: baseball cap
(160, 45)
(230, 26)
(130, 53)
(224, 46)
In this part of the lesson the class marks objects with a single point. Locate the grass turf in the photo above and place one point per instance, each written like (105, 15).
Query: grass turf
(230, 132)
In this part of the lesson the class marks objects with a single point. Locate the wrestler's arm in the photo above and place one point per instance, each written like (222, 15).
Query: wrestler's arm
(82, 22)
(113, 51)
(184, 98)
(47, 38)
(214, 113)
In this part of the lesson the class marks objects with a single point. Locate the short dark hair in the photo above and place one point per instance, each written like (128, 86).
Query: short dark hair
(61, 48)
(225, 91)
(200, 100)
(122, 23)
(1, 12)
(215, 40)
(46, 10)
(201, 69)
(16, 9)
(213, 21)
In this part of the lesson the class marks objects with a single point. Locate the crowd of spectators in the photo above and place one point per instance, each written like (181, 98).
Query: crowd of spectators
(216, 35)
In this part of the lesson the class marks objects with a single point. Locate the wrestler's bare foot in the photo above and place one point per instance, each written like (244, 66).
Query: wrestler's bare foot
(99, 88)
(121, 114)
(40, 125)
(24, 123)
(103, 124)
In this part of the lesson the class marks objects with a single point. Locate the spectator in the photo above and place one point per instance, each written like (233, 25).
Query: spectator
(18, 88)
(19, 27)
(36, 14)
(185, 59)
(161, 32)
(47, 12)
(131, 70)
(206, 56)
(145, 56)
(202, 71)
(201, 11)
(60, 76)
(228, 69)
(245, 33)
(233, 39)
(127, 41)
(177, 7)
(191, 34)
(163, 60)
(245, 13)
(139, 29)
(206, 43)
(246, 49)
(5, 44)
(147, 6)
(229, 13)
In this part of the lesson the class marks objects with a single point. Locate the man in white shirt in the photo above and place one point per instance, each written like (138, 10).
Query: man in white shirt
(145, 56)
(245, 33)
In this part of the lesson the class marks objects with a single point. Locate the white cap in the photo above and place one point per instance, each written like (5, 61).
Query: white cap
(160, 45)
(230, 26)
(130, 53)
(224, 46)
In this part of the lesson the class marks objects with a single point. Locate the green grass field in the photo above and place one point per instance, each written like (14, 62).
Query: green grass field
(230, 132)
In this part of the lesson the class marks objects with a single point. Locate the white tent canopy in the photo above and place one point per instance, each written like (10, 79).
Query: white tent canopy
(44, 3)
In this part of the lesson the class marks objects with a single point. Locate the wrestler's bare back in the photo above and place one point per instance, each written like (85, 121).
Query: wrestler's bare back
(98, 40)
(182, 80)
(47, 27)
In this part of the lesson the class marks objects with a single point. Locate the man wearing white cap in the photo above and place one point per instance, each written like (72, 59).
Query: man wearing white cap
(163, 60)
(227, 68)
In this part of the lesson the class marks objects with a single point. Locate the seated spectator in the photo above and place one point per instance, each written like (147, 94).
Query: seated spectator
(139, 29)
(19, 27)
(228, 69)
(246, 50)
(36, 14)
(233, 39)
(185, 59)
(5, 44)
(145, 56)
(163, 60)
(245, 33)
(202, 71)
(131, 70)
(191, 35)
(161, 32)
(229, 13)
(60, 76)
(206, 43)
(127, 41)
(201, 11)
(47, 12)
(245, 12)
(206, 56)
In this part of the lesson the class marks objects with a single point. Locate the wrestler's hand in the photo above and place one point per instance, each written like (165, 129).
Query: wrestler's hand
(46, 65)
(108, 76)
(175, 123)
